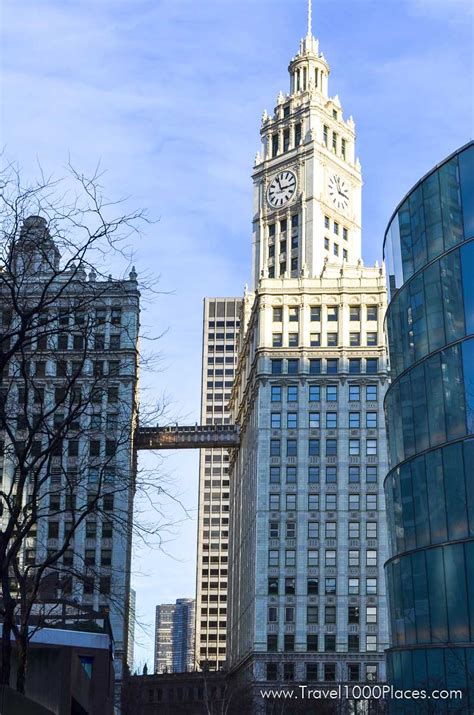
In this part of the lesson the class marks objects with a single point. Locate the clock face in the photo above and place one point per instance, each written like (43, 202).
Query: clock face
(282, 188)
(338, 191)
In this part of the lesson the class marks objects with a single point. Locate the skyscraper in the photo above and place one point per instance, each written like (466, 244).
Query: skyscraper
(429, 251)
(308, 531)
(70, 392)
(220, 327)
(174, 636)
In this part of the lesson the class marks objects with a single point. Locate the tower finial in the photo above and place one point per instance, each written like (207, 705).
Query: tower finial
(310, 12)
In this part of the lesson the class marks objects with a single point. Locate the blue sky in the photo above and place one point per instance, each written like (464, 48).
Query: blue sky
(168, 95)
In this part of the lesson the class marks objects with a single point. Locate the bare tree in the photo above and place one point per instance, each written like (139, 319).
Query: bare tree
(68, 404)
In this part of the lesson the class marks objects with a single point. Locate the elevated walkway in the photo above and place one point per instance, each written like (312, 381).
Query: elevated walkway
(184, 437)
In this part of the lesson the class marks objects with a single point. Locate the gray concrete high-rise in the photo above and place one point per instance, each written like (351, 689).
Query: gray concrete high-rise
(219, 351)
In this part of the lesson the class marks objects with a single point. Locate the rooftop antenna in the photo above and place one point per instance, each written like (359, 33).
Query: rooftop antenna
(310, 31)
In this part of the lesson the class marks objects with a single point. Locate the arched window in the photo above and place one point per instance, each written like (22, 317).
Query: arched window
(316, 77)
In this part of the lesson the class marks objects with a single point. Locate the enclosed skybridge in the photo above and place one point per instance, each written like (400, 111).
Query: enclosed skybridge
(183, 437)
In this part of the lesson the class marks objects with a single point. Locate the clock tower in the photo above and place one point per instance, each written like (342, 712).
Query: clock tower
(307, 181)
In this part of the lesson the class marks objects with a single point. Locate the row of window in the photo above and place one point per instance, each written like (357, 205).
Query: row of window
(291, 366)
(330, 532)
(331, 474)
(328, 645)
(330, 392)
(353, 502)
(286, 142)
(335, 249)
(332, 313)
(331, 340)
(288, 586)
(330, 614)
(328, 674)
(312, 559)
(331, 422)
(331, 448)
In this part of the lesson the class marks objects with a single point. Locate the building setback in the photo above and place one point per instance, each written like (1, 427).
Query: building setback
(429, 252)
(220, 327)
(308, 532)
(174, 636)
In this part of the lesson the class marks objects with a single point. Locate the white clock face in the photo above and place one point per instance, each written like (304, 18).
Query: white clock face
(338, 191)
(282, 188)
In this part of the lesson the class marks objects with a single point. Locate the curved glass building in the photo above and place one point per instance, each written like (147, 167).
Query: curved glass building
(429, 408)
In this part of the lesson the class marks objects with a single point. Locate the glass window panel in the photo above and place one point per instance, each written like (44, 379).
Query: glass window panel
(418, 317)
(468, 369)
(420, 675)
(408, 599)
(434, 394)
(406, 416)
(420, 501)
(433, 219)
(466, 170)
(468, 448)
(456, 501)
(418, 231)
(435, 667)
(469, 554)
(434, 307)
(467, 263)
(456, 592)
(421, 602)
(453, 388)
(407, 506)
(451, 284)
(437, 595)
(436, 499)
(404, 226)
(451, 203)
(420, 412)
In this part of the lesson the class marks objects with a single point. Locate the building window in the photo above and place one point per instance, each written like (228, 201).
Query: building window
(274, 145)
(274, 530)
(336, 249)
(277, 367)
(312, 642)
(372, 312)
(354, 420)
(273, 586)
(332, 364)
(293, 314)
(345, 234)
(291, 502)
(371, 393)
(353, 588)
(371, 587)
(371, 366)
(372, 339)
(314, 420)
(292, 393)
(313, 475)
(289, 643)
(286, 139)
(313, 502)
(353, 644)
(354, 340)
(277, 340)
(291, 475)
(354, 366)
(272, 644)
(354, 393)
(315, 366)
(272, 671)
(354, 559)
(274, 502)
(354, 530)
(325, 134)
(273, 557)
(343, 148)
(332, 313)
(330, 557)
(326, 244)
(334, 142)
(292, 420)
(371, 447)
(354, 474)
(371, 420)
(313, 447)
(292, 340)
(371, 614)
(291, 448)
(330, 586)
(312, 614)
(371, 673)
(274, 475)
(290, 557)
(370, 643)
(311, 671)
(353, 615)
(326, 222)
(315, 393)
(329, 614)
(330, 530)
(354, 447)
(277, 314)
(290, 582)
(371, 530)
(371, 557)
(331, 447)
(331, 420)
(298, 134)
(330, 672)
(312, 587)
(329, 643)
(331, 393)
(331, 475)
(275, 446)
(354, 312)
(290, 531)
(293, 366)
(276, 420)
(315, 312)
(331, 502)
(354, 502)
(345, 255)
(288, 671)
(276, 393)
(313, 530)
(313, 558)
(315, 340)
